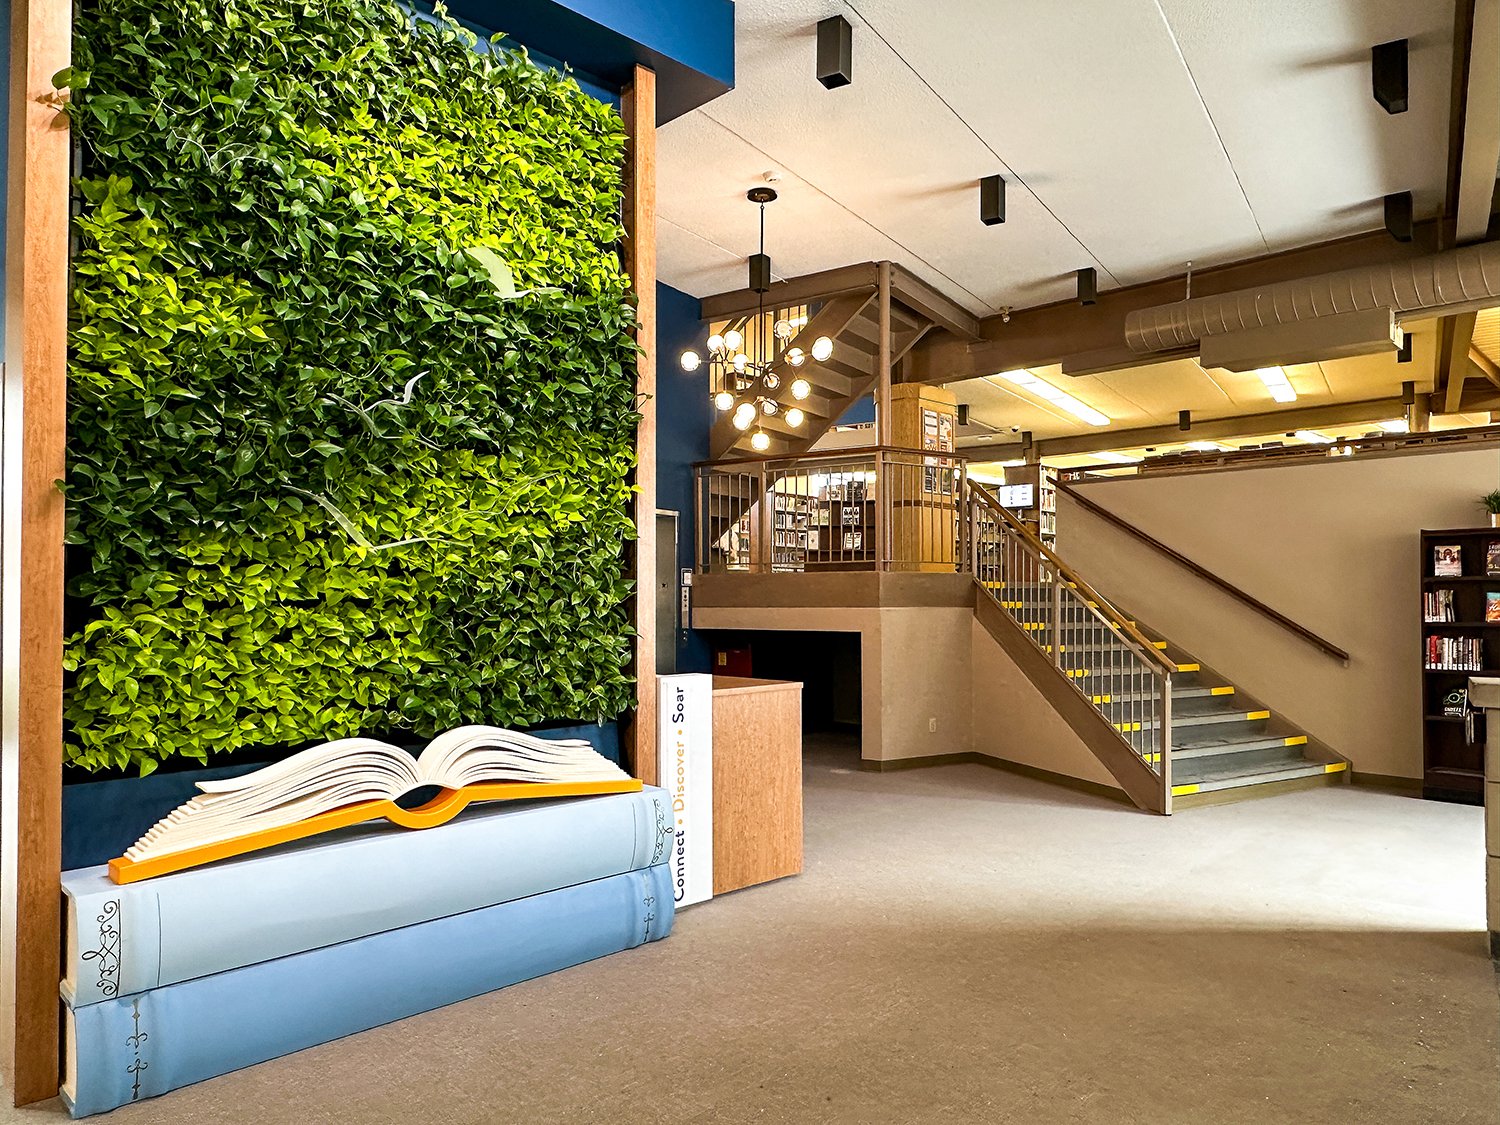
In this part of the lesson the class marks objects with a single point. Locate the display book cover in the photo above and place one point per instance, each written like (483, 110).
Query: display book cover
(135, 1047)
(335, 888)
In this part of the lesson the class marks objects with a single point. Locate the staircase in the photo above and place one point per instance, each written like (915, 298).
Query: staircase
(1172, 732)
(846, 306)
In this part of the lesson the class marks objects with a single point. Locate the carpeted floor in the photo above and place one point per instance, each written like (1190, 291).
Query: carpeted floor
(970, 946)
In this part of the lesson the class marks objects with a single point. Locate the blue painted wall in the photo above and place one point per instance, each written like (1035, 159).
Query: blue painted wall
(684, 414)
(862, 411)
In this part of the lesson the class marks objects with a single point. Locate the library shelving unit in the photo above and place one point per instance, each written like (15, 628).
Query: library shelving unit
(1041, 514)
(1457, 642)
(843, 528)
(791, 516)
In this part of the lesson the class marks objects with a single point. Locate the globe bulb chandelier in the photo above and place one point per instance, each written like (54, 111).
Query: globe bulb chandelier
(745, 375)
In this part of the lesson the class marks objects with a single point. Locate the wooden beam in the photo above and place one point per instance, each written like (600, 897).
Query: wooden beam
(791, 292)
(943, 311)
(1055, 333)
(31, 548)
(1268, 422)
(1455, 338)
(1478, 136)
(1485, 366)
(638, 108)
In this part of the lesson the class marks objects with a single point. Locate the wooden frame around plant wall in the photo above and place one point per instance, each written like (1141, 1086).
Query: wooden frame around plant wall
(31, 548)
(32, 522)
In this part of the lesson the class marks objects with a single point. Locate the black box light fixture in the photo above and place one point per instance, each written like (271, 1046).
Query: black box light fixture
(835, 52)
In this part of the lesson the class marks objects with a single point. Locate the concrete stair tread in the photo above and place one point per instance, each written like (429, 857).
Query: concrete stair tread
(1180, 691)
(1199, 745)
(1228, 777)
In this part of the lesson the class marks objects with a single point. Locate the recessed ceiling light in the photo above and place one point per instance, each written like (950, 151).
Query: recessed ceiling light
(1278, 384)
(1113, 457)
(1209, 447)
(1046, 391)
(1312, 437)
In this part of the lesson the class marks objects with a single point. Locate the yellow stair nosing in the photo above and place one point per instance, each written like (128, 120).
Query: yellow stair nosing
(1257, 714)
(1225, 690)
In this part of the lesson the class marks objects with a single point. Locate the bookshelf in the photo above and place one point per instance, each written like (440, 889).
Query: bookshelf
(1041, 513)
(791, 516)
(843, 528)
(1457, 642)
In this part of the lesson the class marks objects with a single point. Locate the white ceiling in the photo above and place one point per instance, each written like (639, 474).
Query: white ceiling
(1134, 135)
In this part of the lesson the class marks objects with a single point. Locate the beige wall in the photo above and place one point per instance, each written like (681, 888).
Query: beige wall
(914, 669)
(1333, 545)
(1013, 721)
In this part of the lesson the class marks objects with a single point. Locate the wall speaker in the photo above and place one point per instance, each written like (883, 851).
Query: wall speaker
(1398, 216)
(1388, 69)
(836, 52)
(992, 200)
(1184, 419)
(1088, 286)
(963, 414)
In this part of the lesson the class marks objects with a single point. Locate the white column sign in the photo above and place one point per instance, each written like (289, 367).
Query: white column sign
(686, 762)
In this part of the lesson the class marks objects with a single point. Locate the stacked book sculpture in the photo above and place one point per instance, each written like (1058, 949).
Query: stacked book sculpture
(233, 933)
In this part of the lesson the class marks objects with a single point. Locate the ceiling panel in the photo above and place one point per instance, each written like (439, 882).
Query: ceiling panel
(1091, 105)
(1288, 85)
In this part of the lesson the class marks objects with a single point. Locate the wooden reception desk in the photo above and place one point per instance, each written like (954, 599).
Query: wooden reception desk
(757, 781)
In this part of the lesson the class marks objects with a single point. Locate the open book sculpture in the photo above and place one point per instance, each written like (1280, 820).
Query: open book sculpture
(351, 780)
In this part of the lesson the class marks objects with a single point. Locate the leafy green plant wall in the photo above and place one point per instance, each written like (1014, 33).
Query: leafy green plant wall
(351, 406)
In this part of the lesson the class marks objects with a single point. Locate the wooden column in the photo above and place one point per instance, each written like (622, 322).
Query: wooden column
(31, 549)
(638, 108)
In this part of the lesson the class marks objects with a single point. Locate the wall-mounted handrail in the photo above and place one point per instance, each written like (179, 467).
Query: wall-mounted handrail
(1254, 603)
(1116, 618)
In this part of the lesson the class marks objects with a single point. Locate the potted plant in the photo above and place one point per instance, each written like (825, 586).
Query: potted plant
(1491, 502)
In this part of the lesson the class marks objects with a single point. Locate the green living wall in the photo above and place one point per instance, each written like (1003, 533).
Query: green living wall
(351, 397)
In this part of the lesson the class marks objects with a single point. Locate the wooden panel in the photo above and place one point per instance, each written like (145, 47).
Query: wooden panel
(638, 108)
(923, 519)
(31, 547)
(757, 781)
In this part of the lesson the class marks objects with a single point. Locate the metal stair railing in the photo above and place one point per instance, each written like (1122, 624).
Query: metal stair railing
(1100, 652)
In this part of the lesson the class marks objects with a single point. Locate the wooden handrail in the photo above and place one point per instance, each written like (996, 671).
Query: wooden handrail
(1260, 607)
(1106, 609)
(852, 453)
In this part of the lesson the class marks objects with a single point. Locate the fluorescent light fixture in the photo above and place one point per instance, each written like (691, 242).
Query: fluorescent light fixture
(1016, 464)
(1277, 383)
(1060, 398)
(1209, 447)
(1113, 457)
(1396, 426)
(1312, 437)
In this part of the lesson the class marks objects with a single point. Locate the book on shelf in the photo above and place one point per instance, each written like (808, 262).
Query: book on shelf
(1455, 654)
(134, 1047)
(351, 780)
(1437, 606)
(336, 888)
(1492, 558)
(1492, 607)
(1456, 702)
(1447, 560)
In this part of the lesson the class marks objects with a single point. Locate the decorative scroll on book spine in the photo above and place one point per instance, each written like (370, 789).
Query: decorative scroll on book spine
(354, 780)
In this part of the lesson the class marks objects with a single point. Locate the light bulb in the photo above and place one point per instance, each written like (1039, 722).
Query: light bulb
(795, 357)
(715, 344)
(759, 441)
(740, 361)
(745, 410)
(783, 330)
(801, 388)
(690, 360)
(742, 421)
(723, 400)
(822, 348)
(768, 405)
(733, 340)
(794, 417)
(771, 380)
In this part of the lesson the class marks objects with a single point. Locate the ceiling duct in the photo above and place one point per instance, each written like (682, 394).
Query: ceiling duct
(1454, 281)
